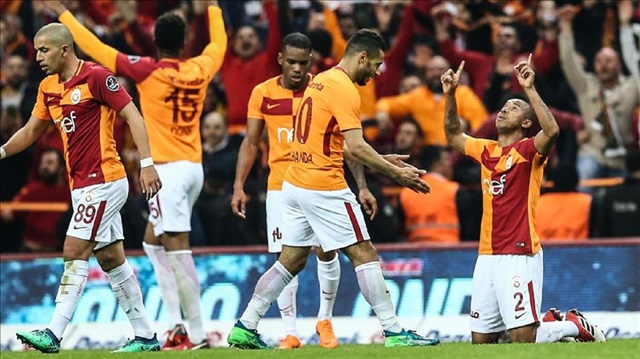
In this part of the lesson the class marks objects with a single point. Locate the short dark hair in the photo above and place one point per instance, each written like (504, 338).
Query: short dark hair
(367, 41)
(431, 154)
(321, 41)
(296, 40)
(170, 32)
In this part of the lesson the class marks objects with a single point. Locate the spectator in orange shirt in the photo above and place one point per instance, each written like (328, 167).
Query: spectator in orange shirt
(433, 218)
(426, 105)
(50, 186)
(563, 213)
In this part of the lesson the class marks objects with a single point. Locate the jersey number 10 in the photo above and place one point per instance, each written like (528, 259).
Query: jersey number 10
(187, 100)
(302, 126)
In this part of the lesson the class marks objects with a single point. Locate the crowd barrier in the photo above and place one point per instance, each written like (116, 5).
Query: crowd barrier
(430, 286)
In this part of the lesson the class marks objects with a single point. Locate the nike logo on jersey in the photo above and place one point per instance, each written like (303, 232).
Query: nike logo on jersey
(79, 227)
(271, 106)
(520, 316)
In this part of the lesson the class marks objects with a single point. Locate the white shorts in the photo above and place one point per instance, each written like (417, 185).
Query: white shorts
(332, 219)
(507, 292)
(96, 212)
(274, 221)
(170, 210)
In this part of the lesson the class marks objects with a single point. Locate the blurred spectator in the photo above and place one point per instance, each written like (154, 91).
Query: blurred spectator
(496, 69)
(12, 39)
(16, 89)
(563, 213)
(422, 51)
(433, 217)
(13, 175)
(392, 69)
(628, 44)
(246, 65)
(617, 211)
(220, 154)
(50, 186)
(408, 141)
(606, 100)
(409, 83)
(426, 105)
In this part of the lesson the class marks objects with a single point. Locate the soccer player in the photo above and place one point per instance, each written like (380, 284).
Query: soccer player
(318, 206)
(172, 93)
(273, 103)
(507, 280)
(82, 99)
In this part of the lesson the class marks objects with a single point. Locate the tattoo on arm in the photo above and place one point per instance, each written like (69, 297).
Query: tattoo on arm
(452, 125)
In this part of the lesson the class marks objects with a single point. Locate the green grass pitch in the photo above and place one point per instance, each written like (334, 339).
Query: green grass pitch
(625, 348)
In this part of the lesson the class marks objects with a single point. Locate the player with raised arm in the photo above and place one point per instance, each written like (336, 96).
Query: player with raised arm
(507, 280)
(274, 103)
(172, 92)
(82, 99)
(318, 206)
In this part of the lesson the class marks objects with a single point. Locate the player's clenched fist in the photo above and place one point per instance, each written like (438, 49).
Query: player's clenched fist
(150, 181)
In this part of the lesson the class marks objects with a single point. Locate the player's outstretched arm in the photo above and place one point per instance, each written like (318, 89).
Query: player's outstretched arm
(452, 125)
(367, 200)
(84, 38)
(405, 176)
(217, 46)
(545, 139)
(24, 137)
(149, 179)
(246, 157)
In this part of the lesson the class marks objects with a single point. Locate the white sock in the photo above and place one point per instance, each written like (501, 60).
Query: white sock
(329, 278)
(375, 291)
(166, 281)
(268, 288)
(72, 283)
(551, 332)
(288, 306)
(127, 290)
(186, 277)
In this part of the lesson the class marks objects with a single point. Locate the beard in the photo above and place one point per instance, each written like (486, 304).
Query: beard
(435, 86)
(49, 178)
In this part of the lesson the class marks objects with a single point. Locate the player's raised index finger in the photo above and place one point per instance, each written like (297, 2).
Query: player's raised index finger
(460, 68)
(529, 60)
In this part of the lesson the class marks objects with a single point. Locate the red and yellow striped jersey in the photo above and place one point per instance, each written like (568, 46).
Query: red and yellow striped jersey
(276, 106)
(84, 110)
(172, 91)
(511, 178)
(331, 104)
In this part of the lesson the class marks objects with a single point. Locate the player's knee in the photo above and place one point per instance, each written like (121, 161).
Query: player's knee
(482, 338)
(325, 256)
(523, 334)
(110, 257)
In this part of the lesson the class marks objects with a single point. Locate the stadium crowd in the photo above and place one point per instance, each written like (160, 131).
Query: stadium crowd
(585, 54)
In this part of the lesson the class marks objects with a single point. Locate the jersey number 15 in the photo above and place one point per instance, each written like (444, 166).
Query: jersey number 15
(188, 100)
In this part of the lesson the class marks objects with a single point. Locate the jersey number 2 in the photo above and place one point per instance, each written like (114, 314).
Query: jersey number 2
(187, 100)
